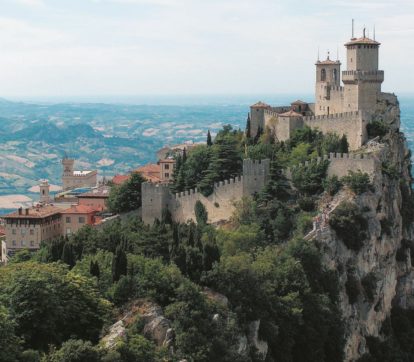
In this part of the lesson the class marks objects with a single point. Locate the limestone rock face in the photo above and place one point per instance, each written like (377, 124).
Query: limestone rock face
(156, 326)
(393, 280)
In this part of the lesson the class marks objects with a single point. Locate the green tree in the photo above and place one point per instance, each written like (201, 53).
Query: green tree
(248, 127)
(119, 263)
(359, 181)
(50, 304)
(94, 269)
(209, 141)
(74, 351)
(10, 344)
(126, 197)
(200, 213)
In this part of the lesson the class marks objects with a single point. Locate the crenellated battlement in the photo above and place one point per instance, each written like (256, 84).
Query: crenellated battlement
(219, 205)
(341, 163)
(334, 116)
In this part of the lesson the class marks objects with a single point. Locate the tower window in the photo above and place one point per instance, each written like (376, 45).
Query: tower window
(323, 75)
(335, 75)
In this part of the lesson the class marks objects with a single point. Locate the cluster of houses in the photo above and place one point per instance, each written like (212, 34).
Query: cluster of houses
(83, 201)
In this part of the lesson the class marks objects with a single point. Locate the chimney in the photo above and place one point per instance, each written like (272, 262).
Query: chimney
(20, 211)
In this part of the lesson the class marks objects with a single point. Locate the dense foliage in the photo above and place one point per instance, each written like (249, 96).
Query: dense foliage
(55, 304)
(127, 196)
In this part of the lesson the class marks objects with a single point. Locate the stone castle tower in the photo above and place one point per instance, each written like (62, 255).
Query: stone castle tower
(68, 166)
(362, 79)
(44, 192)
(328, 87)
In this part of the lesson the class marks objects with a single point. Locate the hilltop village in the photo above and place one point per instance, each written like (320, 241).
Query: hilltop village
(291, 239)
(345, 110)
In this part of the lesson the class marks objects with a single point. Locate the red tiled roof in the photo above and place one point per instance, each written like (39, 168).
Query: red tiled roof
(290, 114)
(167, 160)
(120, 179)
(260, 105)
(363, 41)
(35, 212)
(299, 102)
(328, 62)
(79, 209)
(152, 172)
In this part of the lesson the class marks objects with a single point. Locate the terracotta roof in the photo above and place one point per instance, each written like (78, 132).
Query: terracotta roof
(299, 102)
(328, 62)
(152, 172)
(261, 105)
(167, 160)
(99, 192)
(120, 179)
(363, 40)
(35, 212)
(79, 209)
(290, 114)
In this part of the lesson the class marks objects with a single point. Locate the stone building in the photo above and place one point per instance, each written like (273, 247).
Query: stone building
(96, 198)
(76, 217)
(72, 179)
(27, 228)
(342, 109)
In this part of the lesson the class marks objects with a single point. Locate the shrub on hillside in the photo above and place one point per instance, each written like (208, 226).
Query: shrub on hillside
(358, 182)
(308, 179)
(350, 225)
(377, 128)
(332, 185)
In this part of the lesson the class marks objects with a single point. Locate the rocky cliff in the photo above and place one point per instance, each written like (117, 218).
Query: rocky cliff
(378, 274)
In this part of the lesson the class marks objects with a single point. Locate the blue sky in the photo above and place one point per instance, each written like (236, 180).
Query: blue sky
(141, 47)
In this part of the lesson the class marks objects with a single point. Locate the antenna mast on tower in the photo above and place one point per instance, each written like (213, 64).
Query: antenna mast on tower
(353, 29)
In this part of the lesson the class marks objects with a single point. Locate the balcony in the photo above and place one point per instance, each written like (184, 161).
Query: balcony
(355, 76)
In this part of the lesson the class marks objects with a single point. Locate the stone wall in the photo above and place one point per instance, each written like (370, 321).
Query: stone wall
(351, 124)
(220, 204)
(341, 163)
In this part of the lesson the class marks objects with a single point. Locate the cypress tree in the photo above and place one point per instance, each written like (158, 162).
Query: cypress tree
(209, 141)
(119, 264)
(248, 127)
(94, 269)
(344, 146)
(258, 135)
(67, 255)
(184, 155)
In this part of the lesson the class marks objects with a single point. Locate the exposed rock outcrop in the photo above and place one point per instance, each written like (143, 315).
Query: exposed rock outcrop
(375, 264)
(155, 326)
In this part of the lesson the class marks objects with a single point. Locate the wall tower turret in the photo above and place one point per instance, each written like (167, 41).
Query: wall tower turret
(328, 85)
(362, 79)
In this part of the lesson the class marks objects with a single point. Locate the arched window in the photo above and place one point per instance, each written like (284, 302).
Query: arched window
(323, 75)
(335, 75)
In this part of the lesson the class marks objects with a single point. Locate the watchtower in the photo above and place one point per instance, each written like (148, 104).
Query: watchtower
(257, 117)
(328, 81)
(44, 192)
(362, 79)
(68, 165)
(255, 175)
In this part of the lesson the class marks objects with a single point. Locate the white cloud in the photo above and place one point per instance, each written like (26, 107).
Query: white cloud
(191, 46)
(30, 2)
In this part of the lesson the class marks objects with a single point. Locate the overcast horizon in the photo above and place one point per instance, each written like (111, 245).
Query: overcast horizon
(139, 48)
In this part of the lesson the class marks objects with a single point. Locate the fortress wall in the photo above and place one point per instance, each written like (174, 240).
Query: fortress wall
(341, 163)
(219, 204)
(72, 182)
(351, 124)
(329, 99)
(155, 198)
